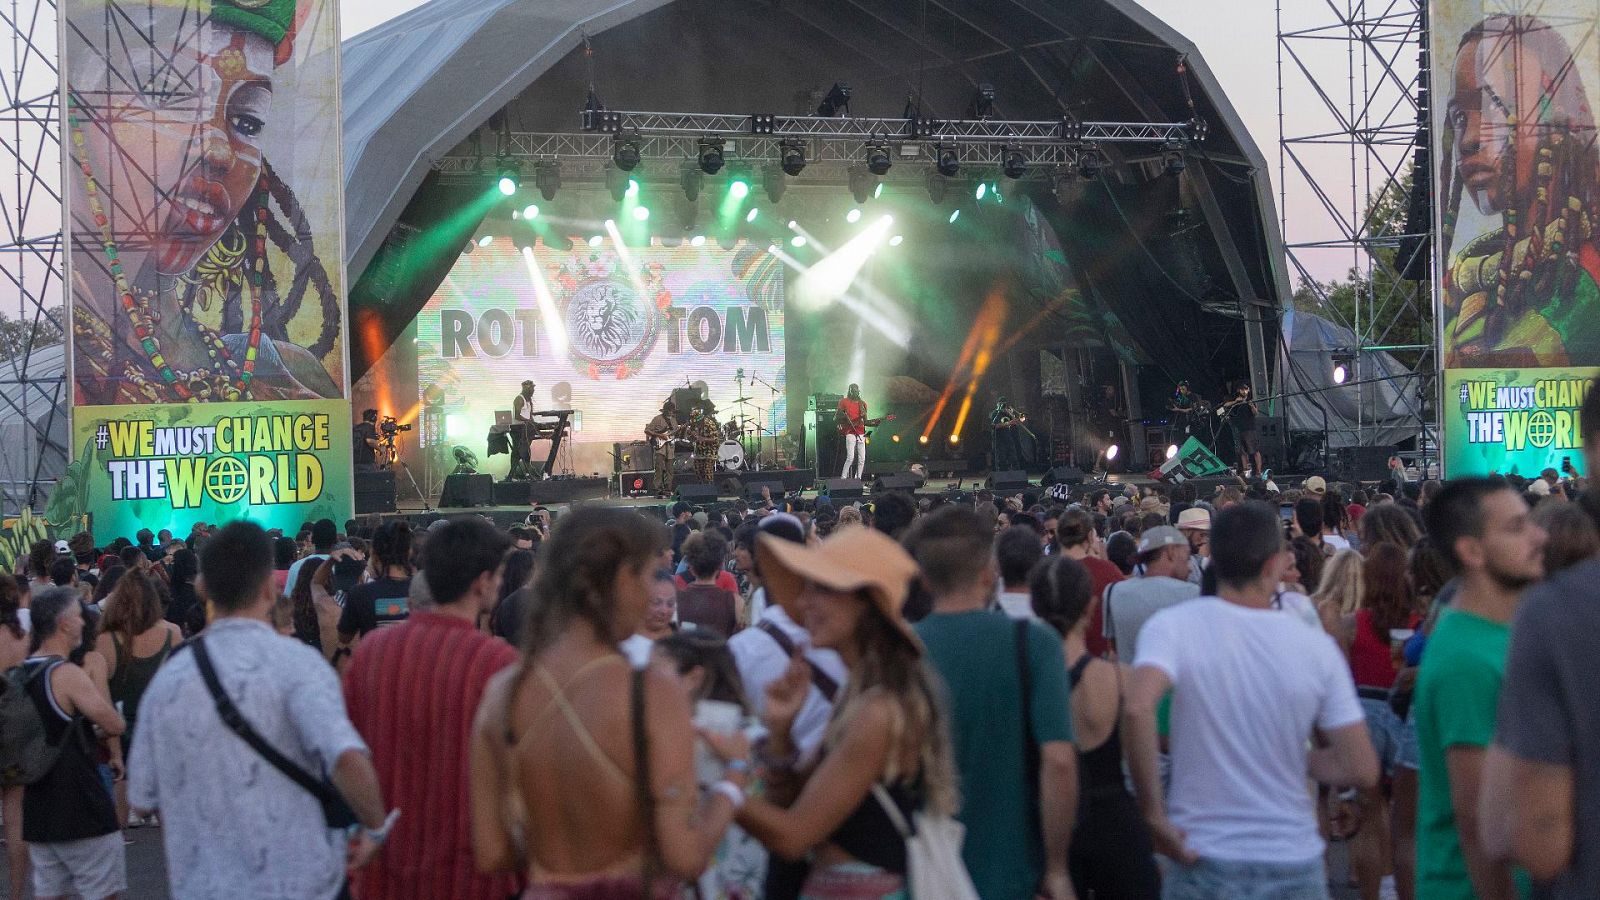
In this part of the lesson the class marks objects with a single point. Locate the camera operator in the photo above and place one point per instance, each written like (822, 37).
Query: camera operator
(365, 441)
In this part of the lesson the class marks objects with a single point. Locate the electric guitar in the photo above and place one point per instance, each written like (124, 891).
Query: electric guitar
(844, 425)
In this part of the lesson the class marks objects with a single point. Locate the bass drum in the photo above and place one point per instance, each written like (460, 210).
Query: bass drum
(730, 456)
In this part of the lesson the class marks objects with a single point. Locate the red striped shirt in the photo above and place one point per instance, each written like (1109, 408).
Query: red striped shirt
(412, 691)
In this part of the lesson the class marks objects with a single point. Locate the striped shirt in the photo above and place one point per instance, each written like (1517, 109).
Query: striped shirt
(412, 691)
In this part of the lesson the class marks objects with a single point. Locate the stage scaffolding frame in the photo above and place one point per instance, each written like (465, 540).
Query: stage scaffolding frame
(31, 246)
(1369, 111)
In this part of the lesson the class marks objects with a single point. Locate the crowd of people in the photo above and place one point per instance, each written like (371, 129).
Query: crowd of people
(1128, 693)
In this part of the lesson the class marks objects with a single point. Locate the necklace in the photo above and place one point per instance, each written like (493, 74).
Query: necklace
(229, 380)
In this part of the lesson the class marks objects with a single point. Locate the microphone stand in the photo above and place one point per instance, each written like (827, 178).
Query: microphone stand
(757, 379)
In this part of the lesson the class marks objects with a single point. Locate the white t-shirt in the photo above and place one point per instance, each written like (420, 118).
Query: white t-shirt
(1016, 604)
(761, 661)
(1336, 541)
(1248, 686)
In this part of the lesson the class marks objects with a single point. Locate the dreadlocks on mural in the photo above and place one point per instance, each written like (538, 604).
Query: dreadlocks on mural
(192, 258)
(1521, 147)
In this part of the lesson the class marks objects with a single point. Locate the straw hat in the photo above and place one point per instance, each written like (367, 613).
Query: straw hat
(853, 559)
(1195, 518)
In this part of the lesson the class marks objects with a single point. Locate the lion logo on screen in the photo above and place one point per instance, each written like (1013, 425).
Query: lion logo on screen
(610, 328)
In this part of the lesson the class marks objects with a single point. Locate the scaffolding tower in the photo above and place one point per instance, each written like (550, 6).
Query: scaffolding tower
(33, 390)
(1364, 63)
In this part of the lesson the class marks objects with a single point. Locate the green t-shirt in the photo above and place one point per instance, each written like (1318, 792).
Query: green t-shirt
(976, 655)
(1458, 687)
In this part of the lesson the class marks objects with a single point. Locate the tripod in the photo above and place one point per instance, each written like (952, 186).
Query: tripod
(392, 458)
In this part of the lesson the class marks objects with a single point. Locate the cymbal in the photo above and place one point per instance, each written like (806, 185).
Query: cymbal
(742, 400)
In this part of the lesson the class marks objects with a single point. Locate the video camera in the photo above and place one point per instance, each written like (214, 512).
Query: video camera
(389, 427)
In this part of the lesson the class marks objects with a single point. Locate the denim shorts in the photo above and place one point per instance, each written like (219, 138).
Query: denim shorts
(1392, 737)
(1210, 879)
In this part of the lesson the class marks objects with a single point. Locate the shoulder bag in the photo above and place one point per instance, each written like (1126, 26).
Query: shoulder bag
(934, 870)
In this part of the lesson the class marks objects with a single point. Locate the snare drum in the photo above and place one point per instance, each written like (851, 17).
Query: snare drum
(730, 456)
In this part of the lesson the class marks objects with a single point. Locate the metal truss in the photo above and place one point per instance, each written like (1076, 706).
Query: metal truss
(1369, 121)
(33, 388)
(955, 131)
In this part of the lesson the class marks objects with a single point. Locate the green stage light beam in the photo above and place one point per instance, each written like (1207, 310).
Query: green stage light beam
(739, 189)
(530, 212)
(641, 213)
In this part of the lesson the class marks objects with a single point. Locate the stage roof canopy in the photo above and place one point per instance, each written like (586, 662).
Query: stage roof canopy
(418, 86)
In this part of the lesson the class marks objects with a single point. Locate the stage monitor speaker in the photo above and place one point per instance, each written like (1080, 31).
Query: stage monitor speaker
(1063, 475)
(840, 488)
(754, 484)
(1357, 464)
(1272, 441)
(903, 482)
(1008, 480)
(466, 490)
(697, 493)
(374, 490)
(951, 466)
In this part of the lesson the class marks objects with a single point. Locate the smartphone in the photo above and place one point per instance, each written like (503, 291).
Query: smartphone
(1286, 513)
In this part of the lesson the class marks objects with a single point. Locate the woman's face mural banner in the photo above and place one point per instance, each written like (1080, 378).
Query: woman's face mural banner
(1517, 208)
(202, 189)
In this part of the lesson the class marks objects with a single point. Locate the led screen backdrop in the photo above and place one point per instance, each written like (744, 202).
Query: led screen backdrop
(1517, 263)
(608, 335)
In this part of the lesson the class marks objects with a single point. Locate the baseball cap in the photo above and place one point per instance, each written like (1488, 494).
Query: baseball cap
(1316, 484)
(63, 548)
(1537, 487)
(1159, 537)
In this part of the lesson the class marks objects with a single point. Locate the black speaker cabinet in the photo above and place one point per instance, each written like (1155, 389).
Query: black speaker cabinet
(1063, 475)
(841, 488)
(697, 493)
(1009, 480)
(638, 484)
(754, 483)
(1355, 464)
(374, 490)
(904, 482)
(466, 490)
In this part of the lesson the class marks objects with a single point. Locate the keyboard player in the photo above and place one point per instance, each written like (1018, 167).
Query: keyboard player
(522, 429)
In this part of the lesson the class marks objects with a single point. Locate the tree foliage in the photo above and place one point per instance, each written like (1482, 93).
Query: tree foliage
(30, 332)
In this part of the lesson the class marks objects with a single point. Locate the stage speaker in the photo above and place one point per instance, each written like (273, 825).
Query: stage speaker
(638, 484)
(1356, 464)
(466, 490)
(840, 488)
(1063, 475)
(903, 482)
(752, 488)
(1272, 441)
(634, 456)
(697, 493)
(1009, 480)
(374, 490)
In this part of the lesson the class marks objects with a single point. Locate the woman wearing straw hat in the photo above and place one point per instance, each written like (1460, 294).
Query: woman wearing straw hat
(887, 727)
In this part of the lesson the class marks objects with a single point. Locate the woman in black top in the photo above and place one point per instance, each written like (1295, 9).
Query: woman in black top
(887, 727)
(1111, 851)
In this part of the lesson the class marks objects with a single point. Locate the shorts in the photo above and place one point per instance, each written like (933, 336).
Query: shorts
(1210, 879)
(91, 868)
(1410, 756)
(1389, 735)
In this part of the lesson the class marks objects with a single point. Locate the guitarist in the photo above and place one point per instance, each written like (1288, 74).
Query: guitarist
(662, 431)
(852, 420)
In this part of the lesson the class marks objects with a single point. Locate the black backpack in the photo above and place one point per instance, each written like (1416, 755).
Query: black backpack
(26, 754)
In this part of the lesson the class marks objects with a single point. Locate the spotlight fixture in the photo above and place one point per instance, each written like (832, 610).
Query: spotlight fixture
(773, 181)
(739, 189)
(486, 240)
(861, 184)
(752, 214)
(947, 161)
(691, 181)
(508, 175)
(1172, 157)
(1172, 450)
(530, 212)
(617, 182)
(938, 185)
(1340, 374)
(954, 216)
(547, 178)
(711, 159)
(792, 156)
(641, 213)
(1112, 451)
(1343, 364)
(1090, 162)
(836, 103)
(1013, 162)
(763, 123)
(625, 151)
(853, 216)
(878, 161)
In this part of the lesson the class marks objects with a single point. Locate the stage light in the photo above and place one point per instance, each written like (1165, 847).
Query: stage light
(547, 177)
(1013, 162)
(610, 224)
(792, 156)
(596, 240)
(617, 183)
(1172, 157)
(853, 216)
(530, 212)
(508, 185)
(897, 240)
(1090, 161)
(793, 225)
(836, 103)
(955, 438)
(774, 181)
(954, 216)
(698, 240)
(981, 191)
(994, 191)
(1111, 452)
(895, 438)
(949, 162)
(938, 186)
(923, 439)
(798, 240)
(861, 184)
(691, 180)
(739, 189)
(641, 213)
(625, 151)
(878, 161)
(1172, 450)
(1343, 360)
(633, 188)
(711, 155)
(752, 214)
(486, 240)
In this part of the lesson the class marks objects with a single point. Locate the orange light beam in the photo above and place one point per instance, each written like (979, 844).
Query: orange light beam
(969, 349)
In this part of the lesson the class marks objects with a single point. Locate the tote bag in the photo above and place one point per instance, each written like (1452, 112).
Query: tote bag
(933, 853)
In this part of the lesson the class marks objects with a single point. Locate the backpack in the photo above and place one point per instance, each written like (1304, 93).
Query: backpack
(26, 755)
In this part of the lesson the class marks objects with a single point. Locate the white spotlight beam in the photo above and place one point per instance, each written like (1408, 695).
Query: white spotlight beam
(830, 277)
(551, 316)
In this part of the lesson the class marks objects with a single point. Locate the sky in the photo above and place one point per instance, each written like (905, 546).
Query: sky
(1241, 51)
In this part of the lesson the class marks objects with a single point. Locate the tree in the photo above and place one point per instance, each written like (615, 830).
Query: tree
(28, 333)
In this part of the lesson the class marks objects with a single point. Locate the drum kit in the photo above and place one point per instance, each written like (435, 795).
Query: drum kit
(740, 448)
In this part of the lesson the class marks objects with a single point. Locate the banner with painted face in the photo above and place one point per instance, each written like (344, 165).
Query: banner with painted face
(1517, 193)
(203, 214)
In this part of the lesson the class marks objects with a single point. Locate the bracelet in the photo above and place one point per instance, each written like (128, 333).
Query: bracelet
(730, 790)
(737, 766)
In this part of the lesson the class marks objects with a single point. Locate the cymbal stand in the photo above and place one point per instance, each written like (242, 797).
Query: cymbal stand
(763, 429)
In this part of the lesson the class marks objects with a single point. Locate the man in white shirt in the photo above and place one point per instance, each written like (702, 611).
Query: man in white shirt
(1164, 556)
(1248, 685)
(1017, 551)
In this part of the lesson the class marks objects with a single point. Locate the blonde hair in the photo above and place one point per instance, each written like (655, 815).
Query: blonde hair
(889, 667)
(1342, 583)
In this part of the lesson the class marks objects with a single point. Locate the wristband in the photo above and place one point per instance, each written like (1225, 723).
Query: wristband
(737, 766)
(730, 790)
(380, 835)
